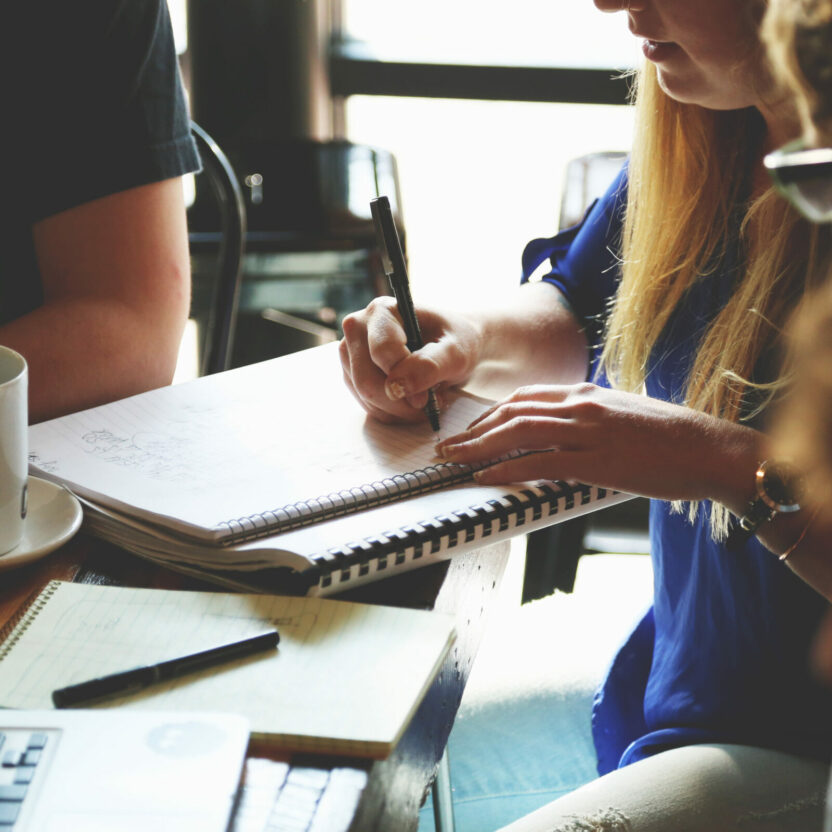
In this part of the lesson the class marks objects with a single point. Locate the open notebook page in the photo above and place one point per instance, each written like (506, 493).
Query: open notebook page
(345, 676)
(234, 444)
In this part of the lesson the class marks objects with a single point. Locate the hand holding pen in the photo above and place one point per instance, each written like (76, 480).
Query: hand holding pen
(396, 271)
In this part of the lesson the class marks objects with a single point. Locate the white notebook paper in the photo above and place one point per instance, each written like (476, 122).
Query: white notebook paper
(345, 678)
(202, 456)
(276, 466)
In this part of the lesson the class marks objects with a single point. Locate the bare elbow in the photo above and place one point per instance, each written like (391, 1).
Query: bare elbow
(160, 325)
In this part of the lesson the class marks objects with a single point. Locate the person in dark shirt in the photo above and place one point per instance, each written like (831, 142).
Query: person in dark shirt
(94, 266)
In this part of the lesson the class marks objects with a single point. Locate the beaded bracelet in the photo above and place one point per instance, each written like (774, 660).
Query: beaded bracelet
(800, 537)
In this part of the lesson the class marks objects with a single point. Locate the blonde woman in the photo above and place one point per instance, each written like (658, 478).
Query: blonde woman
(671, 296)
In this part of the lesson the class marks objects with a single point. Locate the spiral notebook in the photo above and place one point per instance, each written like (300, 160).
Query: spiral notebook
(346, 678)
(275, 466)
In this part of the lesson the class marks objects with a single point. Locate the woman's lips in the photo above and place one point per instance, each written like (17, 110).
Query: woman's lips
(658, 51)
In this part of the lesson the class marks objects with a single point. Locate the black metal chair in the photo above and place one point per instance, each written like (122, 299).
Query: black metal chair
(217, 328)
(311, 254)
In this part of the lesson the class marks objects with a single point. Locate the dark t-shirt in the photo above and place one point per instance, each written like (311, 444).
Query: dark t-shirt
(93, 105)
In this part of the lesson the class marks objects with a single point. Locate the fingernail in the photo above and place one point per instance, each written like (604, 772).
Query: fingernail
(449, 454)
(395, 390)
(444, 450)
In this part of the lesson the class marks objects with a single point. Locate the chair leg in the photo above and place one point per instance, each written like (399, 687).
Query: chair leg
(552, 558)
(443, 802)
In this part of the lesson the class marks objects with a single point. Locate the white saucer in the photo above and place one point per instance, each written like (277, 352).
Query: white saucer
(54, 516)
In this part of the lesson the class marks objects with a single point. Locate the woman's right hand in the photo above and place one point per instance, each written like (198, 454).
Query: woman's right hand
(389, 381)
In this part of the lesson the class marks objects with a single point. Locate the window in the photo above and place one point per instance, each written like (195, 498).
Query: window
(179, 22)
(566, 33)
(479, 178)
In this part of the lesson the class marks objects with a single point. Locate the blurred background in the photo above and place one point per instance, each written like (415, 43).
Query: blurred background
(470, 111)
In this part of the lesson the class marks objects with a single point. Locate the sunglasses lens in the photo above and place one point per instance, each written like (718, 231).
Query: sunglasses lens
(804, 176)
(812, 196)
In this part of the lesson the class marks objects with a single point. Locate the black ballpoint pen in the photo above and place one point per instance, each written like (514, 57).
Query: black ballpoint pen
(138, 678)
(396, 271)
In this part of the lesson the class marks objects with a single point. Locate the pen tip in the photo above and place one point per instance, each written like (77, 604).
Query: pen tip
(432, 411)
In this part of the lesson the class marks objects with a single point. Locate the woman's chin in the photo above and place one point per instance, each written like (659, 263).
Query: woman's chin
(690, 88)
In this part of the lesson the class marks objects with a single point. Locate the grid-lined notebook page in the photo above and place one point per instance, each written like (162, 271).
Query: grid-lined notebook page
(345, 677)
(235, 444)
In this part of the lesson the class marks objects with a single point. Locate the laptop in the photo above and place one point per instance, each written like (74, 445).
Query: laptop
(123, 770)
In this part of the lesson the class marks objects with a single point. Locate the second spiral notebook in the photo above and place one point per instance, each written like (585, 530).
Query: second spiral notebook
(275, 468)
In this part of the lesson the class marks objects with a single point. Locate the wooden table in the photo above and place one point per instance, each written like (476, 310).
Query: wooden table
(463, 586)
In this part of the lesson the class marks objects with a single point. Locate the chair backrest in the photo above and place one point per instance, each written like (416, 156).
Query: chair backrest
(552, 553)
(587, 178)
(218, 336)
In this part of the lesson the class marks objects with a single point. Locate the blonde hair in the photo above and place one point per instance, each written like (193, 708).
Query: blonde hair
(688, 176)
(798, 35)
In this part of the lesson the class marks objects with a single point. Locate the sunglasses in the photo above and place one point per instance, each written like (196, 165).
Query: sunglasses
(804, 177)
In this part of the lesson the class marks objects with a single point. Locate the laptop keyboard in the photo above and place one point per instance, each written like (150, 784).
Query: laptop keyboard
(275, 797)
(279, 798)
(20, 752)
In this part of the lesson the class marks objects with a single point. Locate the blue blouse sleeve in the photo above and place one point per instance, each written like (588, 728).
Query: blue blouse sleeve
(585, 260)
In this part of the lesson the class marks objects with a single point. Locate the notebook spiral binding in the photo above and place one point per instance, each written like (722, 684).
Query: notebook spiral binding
(347, 501)
(29, 610)
(428, 536)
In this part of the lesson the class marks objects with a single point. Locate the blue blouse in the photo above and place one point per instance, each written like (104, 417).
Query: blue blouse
(722, 655)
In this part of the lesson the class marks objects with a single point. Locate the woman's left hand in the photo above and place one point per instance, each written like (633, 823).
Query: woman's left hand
(613, 439)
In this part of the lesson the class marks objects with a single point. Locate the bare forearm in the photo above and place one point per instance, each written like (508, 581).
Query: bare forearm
(116, 285)
(527, 336)
(811, 559)
(531, 337)
(85, 352)
(806, 535)
(640, 445)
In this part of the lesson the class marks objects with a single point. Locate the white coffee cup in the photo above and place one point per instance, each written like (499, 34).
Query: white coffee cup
(14, 456)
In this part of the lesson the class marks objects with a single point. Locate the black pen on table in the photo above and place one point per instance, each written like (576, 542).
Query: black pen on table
(396, 271)
(138, 678)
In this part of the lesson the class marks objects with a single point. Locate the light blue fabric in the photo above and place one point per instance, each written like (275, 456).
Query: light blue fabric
(509, 758)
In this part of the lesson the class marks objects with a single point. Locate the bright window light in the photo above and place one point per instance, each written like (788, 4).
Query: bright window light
(179, 22)
(479, 179)
(543, 32)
